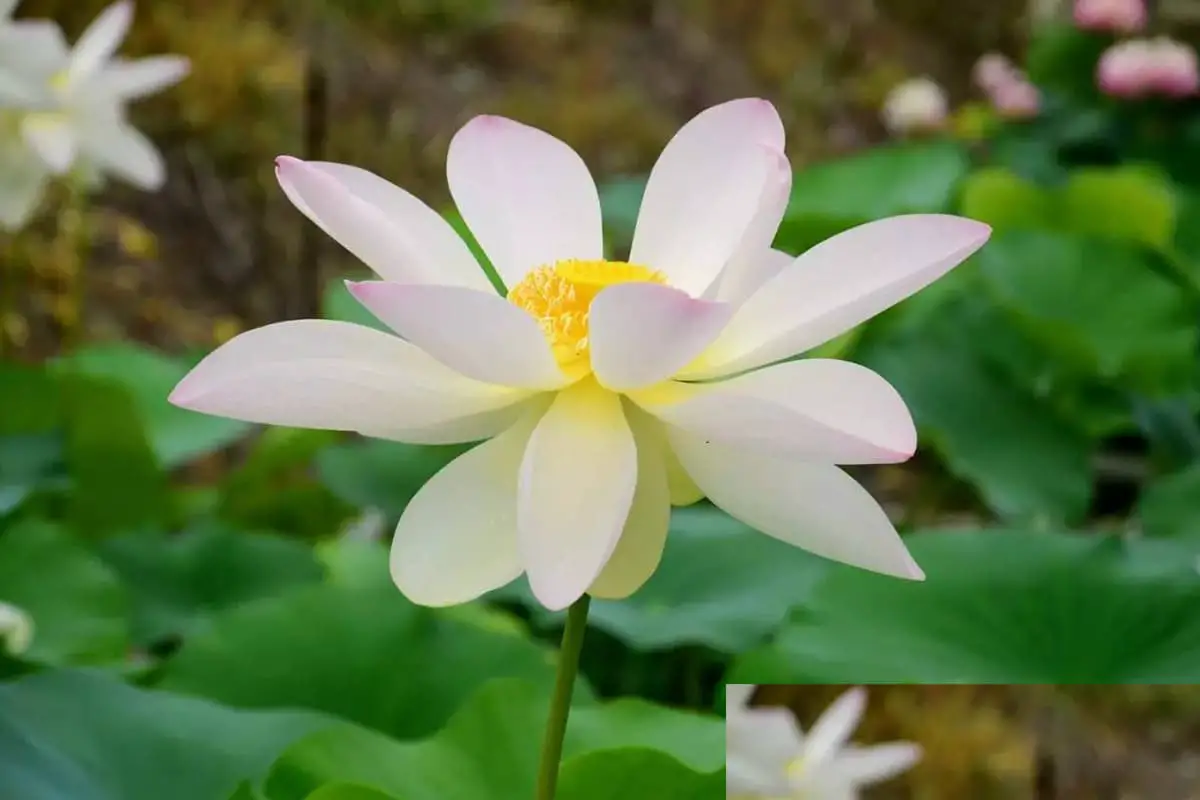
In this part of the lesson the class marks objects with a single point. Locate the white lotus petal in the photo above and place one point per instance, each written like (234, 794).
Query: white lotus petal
(118, 146)
(839, 284)
(457, 538)
(427, 249)
(477, 334)
(832, 731)
(704, 191)
(129, 80)
(100, 41)
(407, 247)
(861, 766)
(51, 137)
(7, 7)
(754, 262)
(684, 491)
(640, 548)
(576, 488)
(820, 409)
(811, 505)
(339, 376)
(643, 333)
(527, 197)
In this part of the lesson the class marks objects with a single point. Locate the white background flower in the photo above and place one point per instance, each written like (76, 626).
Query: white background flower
(599, 412)
(65, 106)
(769, 756)
(918, 104)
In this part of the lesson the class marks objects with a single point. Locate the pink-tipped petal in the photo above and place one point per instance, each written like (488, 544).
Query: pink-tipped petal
(339, 376)
(817, 409)
(839, 284)
(395, 234)
(643, 333)
(576, 487)
(815, 506)
(477, 334)
(704, 191)
(526, 196)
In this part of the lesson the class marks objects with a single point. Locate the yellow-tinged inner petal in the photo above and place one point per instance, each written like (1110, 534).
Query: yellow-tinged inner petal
(559, 298)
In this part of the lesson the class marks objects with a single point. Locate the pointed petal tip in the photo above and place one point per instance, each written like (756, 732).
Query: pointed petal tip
(913, 570)
(553, 598)
(367, 291)
(184, 393)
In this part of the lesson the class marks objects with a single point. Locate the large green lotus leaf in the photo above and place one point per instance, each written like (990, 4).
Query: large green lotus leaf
(1000, 606)
(490, 748)
(117, 483)
(1124, 203)
(348, 791)
(720, 584)
(629, 773)
(79, 607)
(1006, 201)
(955, 371)
(274, 488)
(29, 462)
(80, 736)
(177, 435)
(1099, 305)
(182, 580)
(356, 649)
(830, 197)
(1170, 506)
(373, 473)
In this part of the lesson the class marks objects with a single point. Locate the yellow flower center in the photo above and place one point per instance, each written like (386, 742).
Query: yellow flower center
(559, 297)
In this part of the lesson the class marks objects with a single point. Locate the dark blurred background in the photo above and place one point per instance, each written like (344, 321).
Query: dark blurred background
(385, 83)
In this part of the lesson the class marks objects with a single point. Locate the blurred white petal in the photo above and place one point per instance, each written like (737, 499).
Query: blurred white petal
(100, 41)
(52, 138)
(130, 80)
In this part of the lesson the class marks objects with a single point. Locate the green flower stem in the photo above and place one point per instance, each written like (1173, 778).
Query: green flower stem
(560, 703)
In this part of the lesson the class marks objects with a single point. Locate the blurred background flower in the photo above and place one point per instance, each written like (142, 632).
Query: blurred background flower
(1112, 16)
(918, 105)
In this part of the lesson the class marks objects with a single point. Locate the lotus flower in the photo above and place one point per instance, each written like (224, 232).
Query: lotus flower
(606, 390)
(1110, 16)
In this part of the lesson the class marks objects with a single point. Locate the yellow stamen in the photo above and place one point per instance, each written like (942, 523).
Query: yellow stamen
(559, 298)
